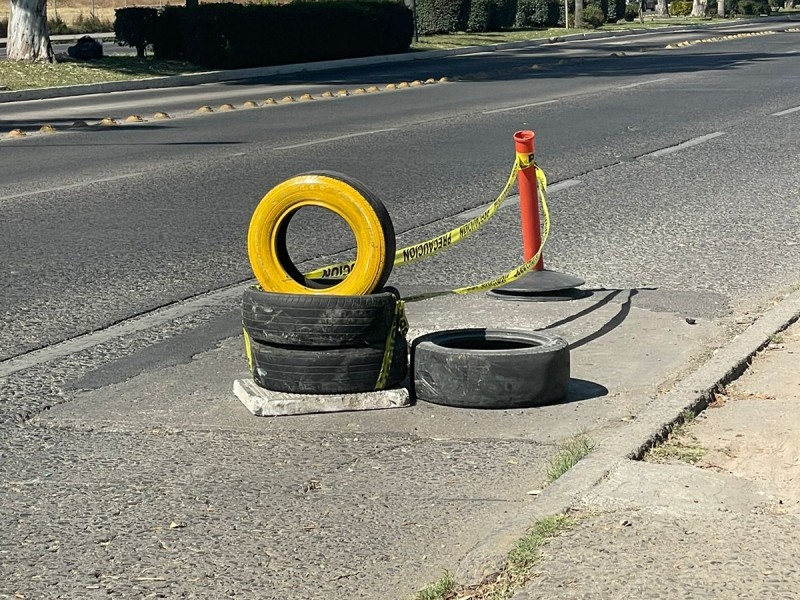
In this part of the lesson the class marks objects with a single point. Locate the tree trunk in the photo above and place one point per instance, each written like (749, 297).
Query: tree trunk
(578, 14)
(28, 38)
(699, 8)
(788, 4)
(661, 8)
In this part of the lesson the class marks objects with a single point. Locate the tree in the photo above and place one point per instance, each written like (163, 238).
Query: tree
(661, 8)
(28, 37)
(699, 8)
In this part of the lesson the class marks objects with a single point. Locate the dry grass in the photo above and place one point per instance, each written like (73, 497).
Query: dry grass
(69, 10)
(20, 76)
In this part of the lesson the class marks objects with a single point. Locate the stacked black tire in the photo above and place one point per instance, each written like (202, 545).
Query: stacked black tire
(324, 344)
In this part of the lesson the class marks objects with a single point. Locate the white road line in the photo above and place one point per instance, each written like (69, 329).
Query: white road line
(785, 112)
(69, 187)
(335, 139)
(633, 85)
(175, 310)
(682, 145)
(509, 108)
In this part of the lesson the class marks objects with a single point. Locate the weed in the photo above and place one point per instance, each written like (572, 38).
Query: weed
(680, 445)
(567, 456)
(438, 590)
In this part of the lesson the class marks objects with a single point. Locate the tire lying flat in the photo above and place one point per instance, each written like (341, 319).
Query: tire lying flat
(314, 321)
(479, 368)
(326, 370)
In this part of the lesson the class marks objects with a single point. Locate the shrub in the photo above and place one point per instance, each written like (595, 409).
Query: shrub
(482, 16)
(680, 8)
(616, 10)
(538, 13)
(601, 4)
(57, 26)
(91, 24)
(631, 11)
(753, 7)
(442, 16)
(232, 36)
(593, 16)
(136, 27)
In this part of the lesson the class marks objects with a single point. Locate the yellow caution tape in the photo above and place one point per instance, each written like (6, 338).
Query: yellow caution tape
(421, 250)
(248, 349)
(514, 273)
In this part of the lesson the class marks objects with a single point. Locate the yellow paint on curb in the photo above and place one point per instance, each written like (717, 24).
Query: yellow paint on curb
(227, 107)
(416, 83)
(372, 89)
(359, 91)
(16, 133)
(288, 99)
(107, 122)
(47, 129)
(161, 115)
(390, 86)
(204, 109)
(327, 94)
(444, 79)
(306, 97)
(250, 104)
(133, 119)
(430, 81)
(342, 93)
(270, 101)
(402, 85)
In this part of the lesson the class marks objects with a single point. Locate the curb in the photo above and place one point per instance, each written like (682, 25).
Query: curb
(694, 392)
(239, 74)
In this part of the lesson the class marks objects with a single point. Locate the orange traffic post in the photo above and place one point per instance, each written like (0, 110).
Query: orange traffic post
(525, 142)
(539, 284)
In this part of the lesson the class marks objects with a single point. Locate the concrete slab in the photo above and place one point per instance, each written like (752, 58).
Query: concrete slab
(390, 498)
(267, 403)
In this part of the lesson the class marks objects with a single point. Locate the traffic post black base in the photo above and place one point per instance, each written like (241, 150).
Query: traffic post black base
(541, 286)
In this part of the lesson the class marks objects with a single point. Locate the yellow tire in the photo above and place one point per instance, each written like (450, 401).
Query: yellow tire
(346, 197)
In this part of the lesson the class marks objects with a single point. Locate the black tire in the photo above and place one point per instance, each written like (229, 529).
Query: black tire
(326, 370)
(479, 368)
(317, 321)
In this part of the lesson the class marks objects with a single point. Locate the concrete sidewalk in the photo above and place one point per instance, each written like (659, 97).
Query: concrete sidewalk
(723, 527)
(164, 485)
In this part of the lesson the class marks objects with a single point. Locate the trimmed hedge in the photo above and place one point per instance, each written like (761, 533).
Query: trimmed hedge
(136, 27)
(235, 36)
(442, 16)
(491, 15)
(539, 13)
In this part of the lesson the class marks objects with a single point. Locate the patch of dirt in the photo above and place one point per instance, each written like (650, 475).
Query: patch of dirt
(753, 430)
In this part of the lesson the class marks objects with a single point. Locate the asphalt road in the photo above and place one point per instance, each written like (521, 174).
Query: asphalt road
(104, 223)
(674, 179)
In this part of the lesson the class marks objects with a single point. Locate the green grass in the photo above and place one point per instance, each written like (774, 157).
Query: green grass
(19, 76)
(438, 590)
(567, 456)
(514, 574)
